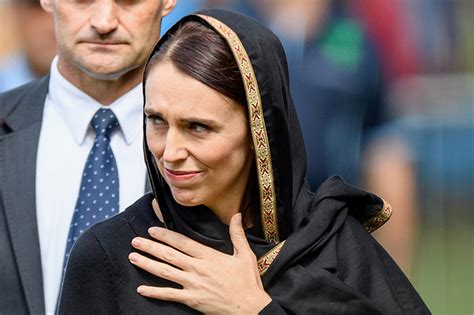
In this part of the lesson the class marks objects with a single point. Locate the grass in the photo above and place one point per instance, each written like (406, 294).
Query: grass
(444, 268)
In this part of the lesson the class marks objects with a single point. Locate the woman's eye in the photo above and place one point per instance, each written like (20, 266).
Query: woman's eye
(198, 127)
(156, 121)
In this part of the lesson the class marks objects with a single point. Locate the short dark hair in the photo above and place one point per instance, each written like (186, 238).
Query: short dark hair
(200, 52)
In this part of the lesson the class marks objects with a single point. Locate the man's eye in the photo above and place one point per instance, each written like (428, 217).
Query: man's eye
(82, 1)
(130, 2)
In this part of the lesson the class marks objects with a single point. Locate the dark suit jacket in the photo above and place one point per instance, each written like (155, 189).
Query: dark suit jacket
(21, 279)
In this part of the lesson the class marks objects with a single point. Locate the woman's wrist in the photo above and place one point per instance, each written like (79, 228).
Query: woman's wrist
(257, 303)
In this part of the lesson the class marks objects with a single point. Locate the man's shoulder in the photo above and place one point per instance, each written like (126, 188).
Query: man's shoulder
(23, 106)
(18, 92)
(11, 99)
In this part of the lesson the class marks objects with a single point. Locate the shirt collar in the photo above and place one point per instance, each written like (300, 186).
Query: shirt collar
(76, 107)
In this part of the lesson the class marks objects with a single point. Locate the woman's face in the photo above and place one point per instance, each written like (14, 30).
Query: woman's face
(199, 139)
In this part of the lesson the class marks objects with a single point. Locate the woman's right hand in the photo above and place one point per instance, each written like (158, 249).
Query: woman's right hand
(213, 282)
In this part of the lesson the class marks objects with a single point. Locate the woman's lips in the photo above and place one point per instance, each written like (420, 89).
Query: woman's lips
(181, 175)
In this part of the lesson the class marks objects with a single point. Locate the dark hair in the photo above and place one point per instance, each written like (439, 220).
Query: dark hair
(200, 52)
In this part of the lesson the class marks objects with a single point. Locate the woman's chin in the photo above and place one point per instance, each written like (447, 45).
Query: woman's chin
(185, 203)
(186, 199)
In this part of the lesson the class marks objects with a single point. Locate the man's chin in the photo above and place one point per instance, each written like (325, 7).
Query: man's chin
(108, 74)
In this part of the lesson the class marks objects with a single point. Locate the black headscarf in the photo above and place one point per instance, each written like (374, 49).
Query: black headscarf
(312, 247)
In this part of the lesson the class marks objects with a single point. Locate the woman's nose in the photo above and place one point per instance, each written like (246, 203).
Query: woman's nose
(175, 147)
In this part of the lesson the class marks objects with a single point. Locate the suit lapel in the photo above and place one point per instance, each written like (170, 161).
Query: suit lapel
(18, 152)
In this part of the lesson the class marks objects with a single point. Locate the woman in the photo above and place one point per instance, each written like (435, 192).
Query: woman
(226, 161)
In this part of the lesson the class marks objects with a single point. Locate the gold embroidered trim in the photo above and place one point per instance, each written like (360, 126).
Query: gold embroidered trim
(258, 130)
(380, 218)
(266, 260)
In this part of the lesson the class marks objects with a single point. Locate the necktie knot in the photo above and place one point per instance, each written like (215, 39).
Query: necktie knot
(104, 122)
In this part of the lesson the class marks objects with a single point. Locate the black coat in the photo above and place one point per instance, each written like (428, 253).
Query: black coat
(346, 272)
(101, 280)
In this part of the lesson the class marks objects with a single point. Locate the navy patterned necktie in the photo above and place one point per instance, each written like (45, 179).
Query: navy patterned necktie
(99, 192)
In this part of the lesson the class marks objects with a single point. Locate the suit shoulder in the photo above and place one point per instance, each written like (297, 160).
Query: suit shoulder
(11, 99)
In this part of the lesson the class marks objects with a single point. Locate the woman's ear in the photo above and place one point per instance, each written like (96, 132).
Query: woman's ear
(47, 5)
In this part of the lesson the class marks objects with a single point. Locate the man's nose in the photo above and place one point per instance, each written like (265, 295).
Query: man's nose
(104, 16)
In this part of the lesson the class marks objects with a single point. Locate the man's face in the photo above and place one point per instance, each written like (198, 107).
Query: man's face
(105, 39)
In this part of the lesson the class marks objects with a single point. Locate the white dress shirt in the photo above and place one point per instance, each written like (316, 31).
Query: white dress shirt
(65, 140)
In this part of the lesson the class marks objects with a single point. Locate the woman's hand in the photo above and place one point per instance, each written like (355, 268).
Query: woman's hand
(213, 282)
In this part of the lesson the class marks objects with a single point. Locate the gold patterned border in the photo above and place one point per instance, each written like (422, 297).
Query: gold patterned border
(380, 218)
(258, 129)
(266, 260)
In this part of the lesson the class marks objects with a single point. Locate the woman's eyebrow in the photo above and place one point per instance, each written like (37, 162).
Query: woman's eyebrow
(151, 111)
(186, 120)
(205, 121)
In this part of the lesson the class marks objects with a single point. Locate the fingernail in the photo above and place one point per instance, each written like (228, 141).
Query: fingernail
(136, 242)
(153, 231)
(133, 257)
(238, 217)
(141, 290)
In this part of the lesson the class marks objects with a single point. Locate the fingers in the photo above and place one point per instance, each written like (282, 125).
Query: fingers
(182, 296)
(163, 252)
(180, 242)
(162, 293)
(158, 269)
(237, 235)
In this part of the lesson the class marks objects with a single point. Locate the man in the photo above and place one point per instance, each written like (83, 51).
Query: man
(60, 166)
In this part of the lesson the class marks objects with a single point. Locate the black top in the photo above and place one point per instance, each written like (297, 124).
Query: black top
(346, 272)
(315, 253)
(101, 280)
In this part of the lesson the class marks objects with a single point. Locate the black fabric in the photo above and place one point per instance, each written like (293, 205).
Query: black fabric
(329, 264)
(100, 279)
(344, 272)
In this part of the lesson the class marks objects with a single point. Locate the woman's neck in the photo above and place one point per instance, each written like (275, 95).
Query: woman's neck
(235, 202)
